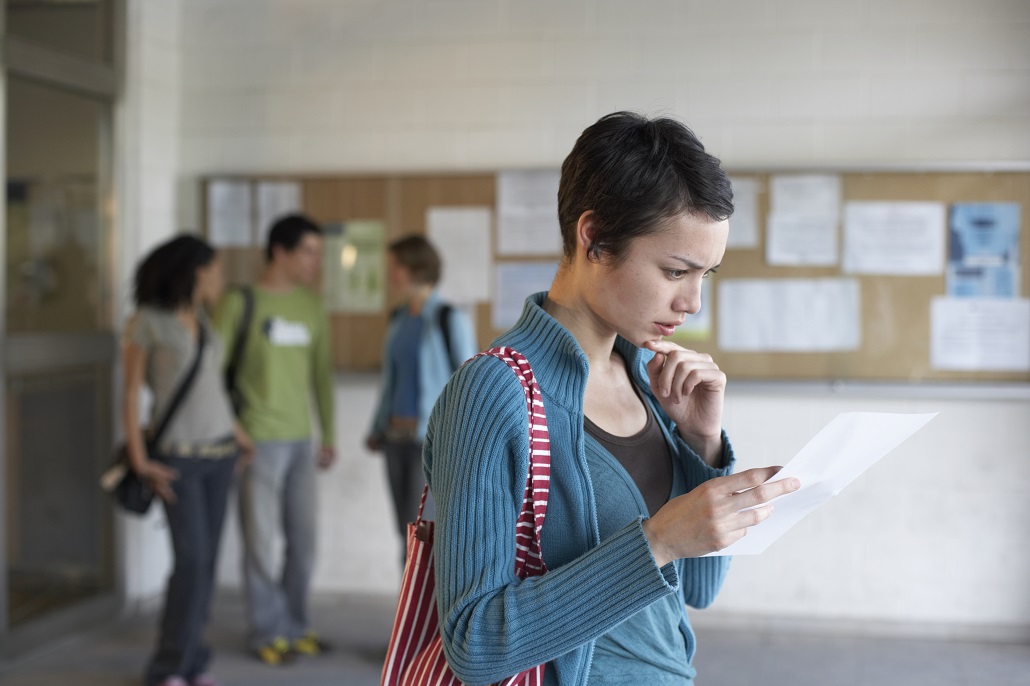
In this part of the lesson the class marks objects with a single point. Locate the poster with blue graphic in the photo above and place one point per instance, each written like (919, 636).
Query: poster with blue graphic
(983, 251)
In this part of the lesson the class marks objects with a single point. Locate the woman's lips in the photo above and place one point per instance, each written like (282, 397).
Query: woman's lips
(665, 329)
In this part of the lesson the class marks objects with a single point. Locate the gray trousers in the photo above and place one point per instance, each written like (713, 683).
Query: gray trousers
(277, 497)
(406, 478)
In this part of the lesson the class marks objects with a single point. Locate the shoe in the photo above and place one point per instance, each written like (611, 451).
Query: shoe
(310, 644)
(205, 679)
(277, 653)
(174, 680)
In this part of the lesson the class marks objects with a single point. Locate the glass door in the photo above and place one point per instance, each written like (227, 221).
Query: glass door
(58, 343)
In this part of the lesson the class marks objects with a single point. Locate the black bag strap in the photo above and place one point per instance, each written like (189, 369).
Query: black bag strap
(184, 387)
(242, 329)
(444, 317)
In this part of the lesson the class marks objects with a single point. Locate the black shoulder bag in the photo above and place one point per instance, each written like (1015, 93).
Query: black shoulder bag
(131, 492)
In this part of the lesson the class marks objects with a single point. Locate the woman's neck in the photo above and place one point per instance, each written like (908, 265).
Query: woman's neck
(567, 306)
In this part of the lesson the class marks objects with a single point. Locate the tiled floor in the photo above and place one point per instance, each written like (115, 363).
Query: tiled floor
(359, 627)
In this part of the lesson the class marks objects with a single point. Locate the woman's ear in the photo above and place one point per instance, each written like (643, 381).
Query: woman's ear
(586, 229)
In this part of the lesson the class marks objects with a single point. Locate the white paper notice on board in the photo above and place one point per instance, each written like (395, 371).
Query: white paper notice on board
(462, 236)
(805, 194)
(980, 334)
(527, 213)
(789, 315)
(229, 218)
(276, 199)
(905, 238)
(799, 239)
(846, 447)
(515, 282)
(744, 221)
(804, 214)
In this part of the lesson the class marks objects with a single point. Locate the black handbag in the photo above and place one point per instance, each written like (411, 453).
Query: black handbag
(132, 493)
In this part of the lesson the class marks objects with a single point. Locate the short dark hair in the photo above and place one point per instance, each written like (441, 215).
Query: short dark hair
(634, 173)
(287, 232)
(167, 276)
(418, 256)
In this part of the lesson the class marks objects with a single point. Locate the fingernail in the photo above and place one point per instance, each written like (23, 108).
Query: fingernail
(795, 484)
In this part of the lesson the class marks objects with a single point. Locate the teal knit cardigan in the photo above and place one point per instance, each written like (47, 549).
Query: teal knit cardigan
(476, 460)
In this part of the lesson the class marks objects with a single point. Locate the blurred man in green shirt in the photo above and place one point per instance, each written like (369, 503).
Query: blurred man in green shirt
(282, 363)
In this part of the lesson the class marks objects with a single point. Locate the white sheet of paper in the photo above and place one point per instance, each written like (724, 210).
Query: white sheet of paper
(527, 213)
(894, 238)
(789, 315)
(744, 222)
(801, 238)
(804, 212)
(229, 218)
(275, 199)
(515, 282)
(980, 334)
(846, 447)
(462, 236)
(805, 194)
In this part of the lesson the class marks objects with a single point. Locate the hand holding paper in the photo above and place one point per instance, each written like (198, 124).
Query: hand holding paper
(850, 444)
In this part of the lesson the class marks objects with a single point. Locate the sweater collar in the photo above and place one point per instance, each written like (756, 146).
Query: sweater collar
(559, 364)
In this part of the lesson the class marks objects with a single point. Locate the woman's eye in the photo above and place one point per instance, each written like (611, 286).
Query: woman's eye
(676, 273)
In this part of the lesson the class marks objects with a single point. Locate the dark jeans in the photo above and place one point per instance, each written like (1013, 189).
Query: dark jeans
(407, 479)
(195, 524)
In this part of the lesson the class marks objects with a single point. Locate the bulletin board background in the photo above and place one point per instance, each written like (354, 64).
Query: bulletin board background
(895, 310)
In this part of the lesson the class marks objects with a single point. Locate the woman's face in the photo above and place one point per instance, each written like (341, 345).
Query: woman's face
(210, 282)
(658, 283)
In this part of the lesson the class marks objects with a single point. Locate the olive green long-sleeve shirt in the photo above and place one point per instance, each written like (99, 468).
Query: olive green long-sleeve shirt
(285, 358)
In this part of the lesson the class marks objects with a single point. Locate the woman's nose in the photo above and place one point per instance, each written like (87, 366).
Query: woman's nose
(689, 299)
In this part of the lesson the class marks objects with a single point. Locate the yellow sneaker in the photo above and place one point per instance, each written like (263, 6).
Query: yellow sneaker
(278, 652)
(311, 644)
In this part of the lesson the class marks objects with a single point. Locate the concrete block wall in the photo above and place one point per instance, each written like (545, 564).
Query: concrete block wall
(147, 161)
(932, 539)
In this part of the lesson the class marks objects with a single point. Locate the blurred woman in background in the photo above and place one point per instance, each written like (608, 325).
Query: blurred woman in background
(191, 470)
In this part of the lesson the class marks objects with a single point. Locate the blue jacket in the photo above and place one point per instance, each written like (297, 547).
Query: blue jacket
(476, 459)
(434, 365)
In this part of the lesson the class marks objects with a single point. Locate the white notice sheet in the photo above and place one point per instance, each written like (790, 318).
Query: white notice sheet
(276, 199)
(527, 213)
(904, 238)
(850, 444)
(804, 213)
(980, 334)
(744, 222)
(462, 235)
(515, 282)
(229, 218)
(789, 315)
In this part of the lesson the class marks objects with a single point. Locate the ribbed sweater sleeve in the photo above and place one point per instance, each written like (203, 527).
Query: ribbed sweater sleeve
(494, 625)
(703, 576)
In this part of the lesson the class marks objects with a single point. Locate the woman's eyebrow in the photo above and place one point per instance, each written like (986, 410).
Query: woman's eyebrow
(691, 263)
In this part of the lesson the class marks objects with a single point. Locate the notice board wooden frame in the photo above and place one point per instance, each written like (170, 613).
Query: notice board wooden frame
(895, 310)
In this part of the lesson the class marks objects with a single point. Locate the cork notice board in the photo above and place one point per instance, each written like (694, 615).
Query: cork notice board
(895, 310)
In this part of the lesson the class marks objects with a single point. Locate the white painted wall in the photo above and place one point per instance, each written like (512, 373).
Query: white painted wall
(147, 161)
(933, 537)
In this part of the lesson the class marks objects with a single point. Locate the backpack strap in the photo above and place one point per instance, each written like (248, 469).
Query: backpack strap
(443, 315)
(242, 330)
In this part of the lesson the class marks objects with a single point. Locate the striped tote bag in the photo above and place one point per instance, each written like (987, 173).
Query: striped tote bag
(415, 653)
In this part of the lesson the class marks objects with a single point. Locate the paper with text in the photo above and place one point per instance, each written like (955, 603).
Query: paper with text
(850, 444)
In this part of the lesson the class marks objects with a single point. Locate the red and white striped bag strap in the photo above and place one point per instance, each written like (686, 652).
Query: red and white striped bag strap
(528, 557)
